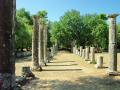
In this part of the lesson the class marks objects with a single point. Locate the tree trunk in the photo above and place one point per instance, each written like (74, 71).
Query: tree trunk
(7, 51)
(35, 59)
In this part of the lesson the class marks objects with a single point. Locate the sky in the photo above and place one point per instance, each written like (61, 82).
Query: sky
(57, 8)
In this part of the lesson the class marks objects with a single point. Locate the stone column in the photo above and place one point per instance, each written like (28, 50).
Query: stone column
(83, 53)
(92, 56)
(112, 43)
(48, 55)
(41, 43)
(45, 43)
(78, 52)
(54, 49)
(87, 53)
(73, 50)
(7, 39)
(99, 62)
(35, 59)
(52, 52)
(81, 47)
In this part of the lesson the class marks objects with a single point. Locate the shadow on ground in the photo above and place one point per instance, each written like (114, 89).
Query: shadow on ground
(62, 69)
(82, 83)
(62, 61)
(64, 65)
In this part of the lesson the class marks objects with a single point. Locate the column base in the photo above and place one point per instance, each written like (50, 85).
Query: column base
(112, 73)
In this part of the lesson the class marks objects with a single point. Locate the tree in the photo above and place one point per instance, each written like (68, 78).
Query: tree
(67, 29)
(118, 35)
(96, 29)
(23, 30)
(90, 29)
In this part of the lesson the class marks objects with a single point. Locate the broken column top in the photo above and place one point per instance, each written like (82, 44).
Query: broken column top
(113, 15)
(35, 16)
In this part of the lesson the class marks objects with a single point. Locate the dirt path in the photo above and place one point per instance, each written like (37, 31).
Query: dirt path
(69, 72)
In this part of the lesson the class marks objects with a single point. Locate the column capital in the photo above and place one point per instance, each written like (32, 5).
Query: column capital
(35, 17)
(113, 15)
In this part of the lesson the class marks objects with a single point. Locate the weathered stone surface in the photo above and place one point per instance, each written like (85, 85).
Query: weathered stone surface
(99, 62)
(92, 54)
(26, 72)
(35, 58)
(83, 53)
(41, 42)
(112, 43)
(23, 54)
(52, 51)
(20, 80)
(45, 43)
(87, 53)
(48, 55)
(7, 40)
(81, 47)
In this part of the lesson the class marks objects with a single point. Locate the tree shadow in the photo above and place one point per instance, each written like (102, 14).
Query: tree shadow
(82, 83)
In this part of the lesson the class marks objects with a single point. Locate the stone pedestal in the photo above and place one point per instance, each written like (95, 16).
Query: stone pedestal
(112, 43)
(99, 62)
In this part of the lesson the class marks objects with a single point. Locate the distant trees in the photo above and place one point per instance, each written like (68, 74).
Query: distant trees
(118, 35)
(96, 28)
(67, 29)
(90, 29)
(23, 36)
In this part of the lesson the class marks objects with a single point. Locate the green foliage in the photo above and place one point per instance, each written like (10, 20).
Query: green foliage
(43, 16)
(118, 36)
(23, 30)
(67, 29)
(72, 28)
(90, 29)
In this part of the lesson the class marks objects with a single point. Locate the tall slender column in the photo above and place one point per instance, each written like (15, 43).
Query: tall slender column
(7, 51)
(45, 43)
(35, 59)
(112, 43)
(41, 43)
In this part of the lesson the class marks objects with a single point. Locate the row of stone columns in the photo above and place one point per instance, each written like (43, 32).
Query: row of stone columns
(39, 43)
(88, 54)
(84, 53)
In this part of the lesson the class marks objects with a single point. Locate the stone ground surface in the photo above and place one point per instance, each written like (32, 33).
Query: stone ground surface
(70, 72)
